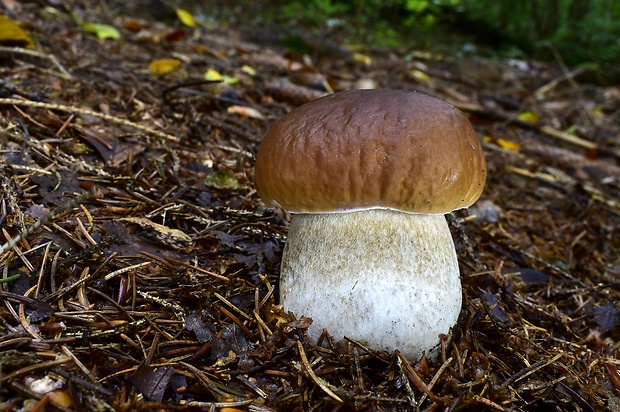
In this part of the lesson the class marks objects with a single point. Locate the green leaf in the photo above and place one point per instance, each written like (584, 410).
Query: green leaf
(529, 117)
(102, 31)
(212, 74)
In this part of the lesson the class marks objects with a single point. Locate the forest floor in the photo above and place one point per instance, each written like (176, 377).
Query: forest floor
(151, 279)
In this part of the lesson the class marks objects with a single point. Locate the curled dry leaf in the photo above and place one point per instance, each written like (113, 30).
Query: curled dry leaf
(174, 238)
(245, 111)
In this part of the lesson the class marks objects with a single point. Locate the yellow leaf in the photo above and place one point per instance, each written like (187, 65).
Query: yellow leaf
(214, 75)
(362, 58)
(528, 117)
(186, 17)
(163, 66)
(503, 143)
(13, 35)
(420, 75)
(248, 70)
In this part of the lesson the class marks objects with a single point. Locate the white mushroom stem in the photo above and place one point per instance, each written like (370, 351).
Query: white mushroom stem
(387, 279)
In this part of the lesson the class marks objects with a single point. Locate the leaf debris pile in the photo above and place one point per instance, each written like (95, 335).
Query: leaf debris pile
(150, 279)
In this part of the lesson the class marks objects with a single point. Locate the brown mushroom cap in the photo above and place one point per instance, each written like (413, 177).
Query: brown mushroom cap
(365, 149)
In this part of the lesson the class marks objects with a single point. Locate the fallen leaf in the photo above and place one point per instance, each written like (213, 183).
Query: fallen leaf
(226, 359)
(229, 344)
(185, 17)
(36, 309)
(60, 397)
(303, 323)
(486, 211)
(176, 35)
(227, 239)
(213, 74)
(37, 211)
(528, 117)
(273, 311)
(13, 35)
(531, 276)
(133, 25)
(257, 253)
(102, 31)
(362, 58)
(164, 235)
(223, 181)
(249, 70)
(245, 111)
(420, 75)
(131, 244)
(53, 188)
(503, 143)
(607, 317)
(199, 323)
(152, 382)
(163, 66)
(495, 306)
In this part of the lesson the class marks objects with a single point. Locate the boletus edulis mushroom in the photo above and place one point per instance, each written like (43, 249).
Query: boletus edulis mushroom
(367, 176)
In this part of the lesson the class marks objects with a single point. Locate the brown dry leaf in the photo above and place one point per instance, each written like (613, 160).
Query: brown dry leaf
(607, 317)
(152, 382)
(133, 25)
(176, 36)
(174, 238)
(308, 77)
(273, 311)
(56, 189)
(199, 323)
(292, 93)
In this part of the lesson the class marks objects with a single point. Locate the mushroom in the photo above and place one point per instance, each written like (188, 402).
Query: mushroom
(367, 176)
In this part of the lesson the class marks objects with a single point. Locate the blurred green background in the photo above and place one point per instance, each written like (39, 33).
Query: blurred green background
(581, 31)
